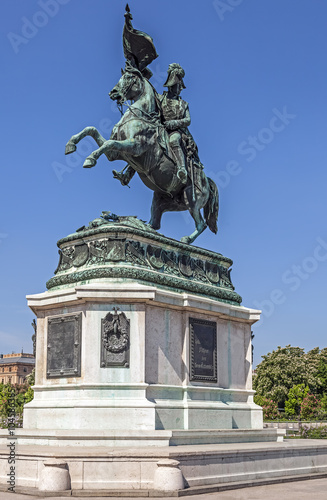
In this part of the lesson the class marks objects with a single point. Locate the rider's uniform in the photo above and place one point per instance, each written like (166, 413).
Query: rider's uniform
(175, 109)
(176, 112)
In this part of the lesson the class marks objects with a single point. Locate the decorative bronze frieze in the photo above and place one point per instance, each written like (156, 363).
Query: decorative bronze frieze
(147, 256)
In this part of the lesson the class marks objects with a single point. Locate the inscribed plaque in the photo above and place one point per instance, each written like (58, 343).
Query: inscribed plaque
(203, 350)
(64, 346)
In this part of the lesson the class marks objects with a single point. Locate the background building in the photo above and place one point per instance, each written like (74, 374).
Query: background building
(15, 367)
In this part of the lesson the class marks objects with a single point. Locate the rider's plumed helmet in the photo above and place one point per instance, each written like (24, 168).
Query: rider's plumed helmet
(175, 75)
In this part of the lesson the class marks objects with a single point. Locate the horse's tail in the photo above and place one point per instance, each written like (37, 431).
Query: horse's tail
(211, 208)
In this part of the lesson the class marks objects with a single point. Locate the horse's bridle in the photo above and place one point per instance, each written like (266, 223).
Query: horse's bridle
(125, 91)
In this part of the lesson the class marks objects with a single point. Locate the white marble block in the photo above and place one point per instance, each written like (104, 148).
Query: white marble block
(155, 389)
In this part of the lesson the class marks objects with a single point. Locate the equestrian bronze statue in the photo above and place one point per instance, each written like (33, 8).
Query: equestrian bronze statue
(152, 136)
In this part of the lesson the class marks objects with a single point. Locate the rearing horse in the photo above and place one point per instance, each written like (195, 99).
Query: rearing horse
(141, 140)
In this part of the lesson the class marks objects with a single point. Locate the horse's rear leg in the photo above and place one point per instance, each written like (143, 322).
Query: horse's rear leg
(200, 227)
(194, 209)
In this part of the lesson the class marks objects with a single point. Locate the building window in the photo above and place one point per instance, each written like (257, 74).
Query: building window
(25, 370)
(3, 381)
(10, 368)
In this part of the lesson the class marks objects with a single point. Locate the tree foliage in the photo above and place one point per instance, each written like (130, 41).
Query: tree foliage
(269, 407)
(12, 400)
(311, 408)
(294, 401)
(288, 366)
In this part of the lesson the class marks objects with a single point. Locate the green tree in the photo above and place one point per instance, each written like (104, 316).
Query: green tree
(316, 362)
(12, 400)
(287, 366)
(31, 378)
(294, 401)
(311, 408)
(7, 392)
(324, 403)
(321, 373)
(278, 372)
(29, 395)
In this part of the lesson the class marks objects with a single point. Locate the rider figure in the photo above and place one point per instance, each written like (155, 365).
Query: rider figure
(175, 117)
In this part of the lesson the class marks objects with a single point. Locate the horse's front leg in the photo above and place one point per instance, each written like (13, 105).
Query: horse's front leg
(91, 131)
(115, 150)
(157, 209)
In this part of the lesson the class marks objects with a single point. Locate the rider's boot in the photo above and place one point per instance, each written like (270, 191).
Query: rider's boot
(124, 177)
(180, 160)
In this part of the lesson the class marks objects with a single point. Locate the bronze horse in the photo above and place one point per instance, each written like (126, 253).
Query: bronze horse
(141, 140)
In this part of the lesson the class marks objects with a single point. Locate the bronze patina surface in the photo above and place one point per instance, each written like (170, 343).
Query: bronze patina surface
(152, 136)
(64, 346)
(123, 247)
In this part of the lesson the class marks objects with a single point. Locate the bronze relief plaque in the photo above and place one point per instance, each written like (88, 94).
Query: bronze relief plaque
(64, 346)
(203, 350)
(115, 340)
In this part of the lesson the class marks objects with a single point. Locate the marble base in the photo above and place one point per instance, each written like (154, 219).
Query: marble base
(135, 469)
(155, 391)
(122, 438)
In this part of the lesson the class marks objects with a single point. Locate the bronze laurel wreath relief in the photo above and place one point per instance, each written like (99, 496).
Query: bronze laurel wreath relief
(115, 334)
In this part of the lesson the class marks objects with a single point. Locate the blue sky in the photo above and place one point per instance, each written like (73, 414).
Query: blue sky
(256, 84)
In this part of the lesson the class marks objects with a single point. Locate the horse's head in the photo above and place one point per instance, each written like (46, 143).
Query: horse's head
(129, 87)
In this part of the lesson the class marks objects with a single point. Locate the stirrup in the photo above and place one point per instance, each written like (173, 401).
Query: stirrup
(120, 177)
(182, 174)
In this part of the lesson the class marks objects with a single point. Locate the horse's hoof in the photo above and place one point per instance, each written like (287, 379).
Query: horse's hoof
(152, 226)
(186, 239)
(70, 148)
(89, 163)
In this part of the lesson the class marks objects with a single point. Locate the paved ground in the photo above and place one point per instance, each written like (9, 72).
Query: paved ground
(315, 489)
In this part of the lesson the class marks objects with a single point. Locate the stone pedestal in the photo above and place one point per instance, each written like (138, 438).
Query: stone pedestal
(141, 332)
(143, 362)
(153, 389)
